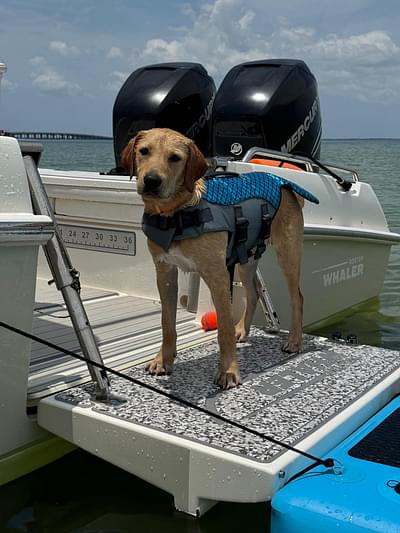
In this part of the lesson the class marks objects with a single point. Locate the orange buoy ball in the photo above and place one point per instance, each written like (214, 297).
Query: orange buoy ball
(209, 321)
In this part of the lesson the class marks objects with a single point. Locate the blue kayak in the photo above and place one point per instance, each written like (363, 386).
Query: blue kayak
(363, 496)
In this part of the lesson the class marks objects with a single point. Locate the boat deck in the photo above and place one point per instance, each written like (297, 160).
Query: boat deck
(282, 395)
(127, 330)
(312, 400)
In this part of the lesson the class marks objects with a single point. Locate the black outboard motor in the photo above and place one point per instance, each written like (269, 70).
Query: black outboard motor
(167, 95)
(270, 104)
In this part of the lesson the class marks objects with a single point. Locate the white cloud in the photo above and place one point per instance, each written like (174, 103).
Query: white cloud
(117, 80)
(114, 52)
(46, 79)
(62, 48)
(365, 66)
(187, 10)
(369, 48)
(246, 20)
(8, 85)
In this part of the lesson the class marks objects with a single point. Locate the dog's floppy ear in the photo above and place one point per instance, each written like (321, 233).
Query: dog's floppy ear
(196, 166)
(128, 154)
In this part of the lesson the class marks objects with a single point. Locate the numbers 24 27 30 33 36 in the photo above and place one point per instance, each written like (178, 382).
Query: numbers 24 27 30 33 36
(104, 239)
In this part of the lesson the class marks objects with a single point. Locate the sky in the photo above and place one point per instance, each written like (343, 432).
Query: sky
(67, 59)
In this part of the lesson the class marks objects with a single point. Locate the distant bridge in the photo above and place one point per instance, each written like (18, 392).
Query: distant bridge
(55, 136)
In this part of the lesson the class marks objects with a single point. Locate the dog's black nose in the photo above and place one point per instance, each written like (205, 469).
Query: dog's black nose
(151, 182)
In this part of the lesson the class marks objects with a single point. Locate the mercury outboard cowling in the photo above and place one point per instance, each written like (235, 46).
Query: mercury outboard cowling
(167, 95)
(270, 104)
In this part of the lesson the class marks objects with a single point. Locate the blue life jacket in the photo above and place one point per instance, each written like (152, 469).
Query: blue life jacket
(243, 205)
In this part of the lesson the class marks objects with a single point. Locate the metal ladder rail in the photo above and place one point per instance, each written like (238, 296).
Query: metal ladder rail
(66, 280)
(271, 316)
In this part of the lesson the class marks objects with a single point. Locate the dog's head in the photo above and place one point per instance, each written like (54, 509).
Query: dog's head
(164, 162)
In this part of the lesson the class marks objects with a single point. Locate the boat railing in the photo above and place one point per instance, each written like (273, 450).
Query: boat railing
(346, 173)
(263, 153)
(305, 163)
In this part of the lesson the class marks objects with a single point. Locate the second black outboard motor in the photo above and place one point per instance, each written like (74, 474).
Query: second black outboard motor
(270, 104)
(167, 95)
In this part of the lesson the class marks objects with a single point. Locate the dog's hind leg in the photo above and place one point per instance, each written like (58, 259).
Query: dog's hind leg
(247, 275)
(287, 239)
(167, 282)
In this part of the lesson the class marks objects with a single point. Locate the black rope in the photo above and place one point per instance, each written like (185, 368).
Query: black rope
(328, 463)
(304, 471)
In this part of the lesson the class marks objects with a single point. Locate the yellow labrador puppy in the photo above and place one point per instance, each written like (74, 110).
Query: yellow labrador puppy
(169, 172)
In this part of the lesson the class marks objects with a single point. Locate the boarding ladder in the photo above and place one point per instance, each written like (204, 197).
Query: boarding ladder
(271, 316)
(66, 278)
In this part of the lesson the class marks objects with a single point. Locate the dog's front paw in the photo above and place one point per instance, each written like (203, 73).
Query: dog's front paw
(292, 346)
(229, 378)
(159, 366)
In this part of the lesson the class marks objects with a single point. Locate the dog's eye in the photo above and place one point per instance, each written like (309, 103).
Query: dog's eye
(144, 151)
(174, 158)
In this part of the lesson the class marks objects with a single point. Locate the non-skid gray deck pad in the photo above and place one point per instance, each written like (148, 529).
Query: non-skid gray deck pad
(382, 445)
(283, 396)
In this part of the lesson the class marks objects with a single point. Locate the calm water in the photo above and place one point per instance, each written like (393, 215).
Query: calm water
(81, 494)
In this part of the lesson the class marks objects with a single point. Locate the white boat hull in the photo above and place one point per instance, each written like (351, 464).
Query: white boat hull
(337, 274)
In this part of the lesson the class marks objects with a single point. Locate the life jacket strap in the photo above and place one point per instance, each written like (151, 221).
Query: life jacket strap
(241, 233)
(179, 220)
(265, 231)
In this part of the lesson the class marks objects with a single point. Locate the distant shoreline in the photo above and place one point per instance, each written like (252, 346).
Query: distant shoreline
(360, 139)
(55, 136)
